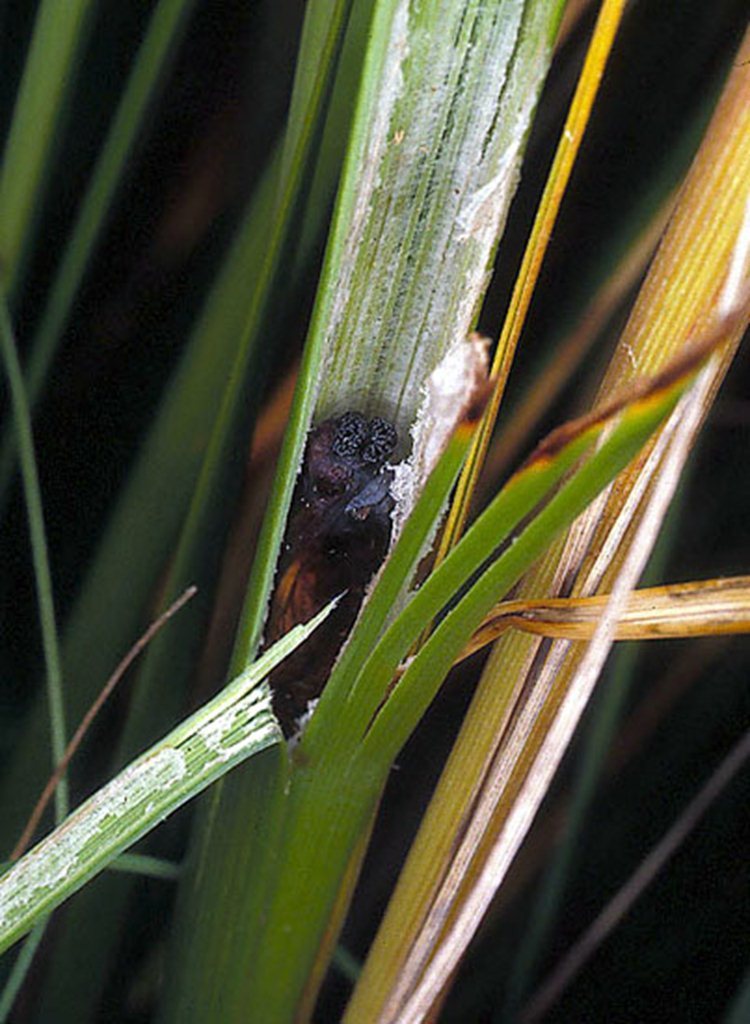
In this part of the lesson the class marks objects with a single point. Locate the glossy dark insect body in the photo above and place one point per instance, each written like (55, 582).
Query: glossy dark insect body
(338, 535)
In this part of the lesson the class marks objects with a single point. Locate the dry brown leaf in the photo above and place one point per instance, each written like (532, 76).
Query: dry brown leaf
(701, 608)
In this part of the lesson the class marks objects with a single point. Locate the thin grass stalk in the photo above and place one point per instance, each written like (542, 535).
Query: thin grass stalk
(571, 349)
(552, 883)
(47, 622)
(597, 55)
(39, 552)
(20, 970)
(608, 919)
(86, 723)
(146, 867)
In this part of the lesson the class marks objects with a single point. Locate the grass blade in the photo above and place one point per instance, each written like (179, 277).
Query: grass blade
(59, 34)
(40, 557)
(232, 727)
(607, 24)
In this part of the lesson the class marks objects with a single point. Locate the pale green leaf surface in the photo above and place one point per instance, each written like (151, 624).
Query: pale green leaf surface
(447, 95)
(232, 727)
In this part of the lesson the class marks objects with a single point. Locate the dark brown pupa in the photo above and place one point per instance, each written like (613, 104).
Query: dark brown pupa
(337, 537)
